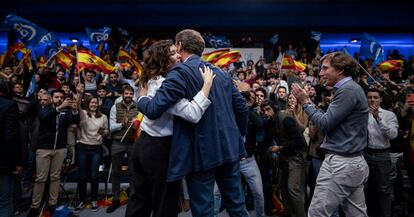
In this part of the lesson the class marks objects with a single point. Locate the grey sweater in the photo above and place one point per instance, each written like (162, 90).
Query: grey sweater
(345, 123)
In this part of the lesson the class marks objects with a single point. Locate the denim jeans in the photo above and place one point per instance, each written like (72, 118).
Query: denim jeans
(201, 187)
(6, 196)
(250, 171)
(88, 157)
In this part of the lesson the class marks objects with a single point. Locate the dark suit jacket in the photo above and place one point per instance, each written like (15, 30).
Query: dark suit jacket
(217, 138)
(10, 148)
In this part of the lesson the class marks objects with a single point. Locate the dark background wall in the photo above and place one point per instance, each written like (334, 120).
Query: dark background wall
(254, 16)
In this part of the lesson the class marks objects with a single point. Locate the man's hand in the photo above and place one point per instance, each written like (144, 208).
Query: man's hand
(125, 120)
(275, 148)
(66, 103)
(300, 94)
(18, 170)
(374, 111)
(143, 90)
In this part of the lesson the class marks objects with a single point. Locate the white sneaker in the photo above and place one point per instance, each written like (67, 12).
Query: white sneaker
(94, 206)
(79, 207)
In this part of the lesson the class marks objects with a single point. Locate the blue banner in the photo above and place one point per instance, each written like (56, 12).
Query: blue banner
(98, 35)
(217, 41)
(316, 35)
(30, 33)
(52, 49)
(371, 48)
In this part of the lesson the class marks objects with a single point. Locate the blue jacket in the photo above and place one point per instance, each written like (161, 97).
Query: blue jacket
(217, 138)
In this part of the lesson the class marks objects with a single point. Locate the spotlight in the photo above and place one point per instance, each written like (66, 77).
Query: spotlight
(354, 40)
(74, 40)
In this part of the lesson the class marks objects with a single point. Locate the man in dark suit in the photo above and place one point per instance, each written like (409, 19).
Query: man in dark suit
(10, 150)
(210, 150)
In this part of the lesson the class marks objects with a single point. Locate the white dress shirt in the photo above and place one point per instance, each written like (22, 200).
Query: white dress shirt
(381, 131)
(190, 111)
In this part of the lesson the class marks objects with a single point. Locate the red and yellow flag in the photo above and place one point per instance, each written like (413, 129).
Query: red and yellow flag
(289, 63)
(65, 59)
(42, 62)
(136, 123)
(226, 59)
(16, 47)
(390, 65)
(211, 56)
(88, 60)
(125, 54)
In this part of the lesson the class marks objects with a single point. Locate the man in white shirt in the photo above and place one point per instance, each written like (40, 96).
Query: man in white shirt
(382, 127)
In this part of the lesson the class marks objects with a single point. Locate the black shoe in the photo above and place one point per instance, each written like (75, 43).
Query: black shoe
(115, 205)
(33, 212)
(52, 209)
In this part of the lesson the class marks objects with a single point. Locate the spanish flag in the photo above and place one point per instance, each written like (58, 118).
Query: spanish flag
(16, 47)
(64, 59)
(211, 56)
(42, 62)
(88, 60)
(226, 59)
(289, 63)
(136, 123)
(125, 54)
(390, 65)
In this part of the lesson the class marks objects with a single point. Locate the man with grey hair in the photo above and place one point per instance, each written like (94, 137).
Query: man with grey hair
(344, 171)
(210, 150)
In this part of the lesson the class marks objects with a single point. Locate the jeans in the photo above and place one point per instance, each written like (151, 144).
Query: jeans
(88, 158)
(378, 189)
(250, 171)
(6, 196)
(201, 187)
(340, 180)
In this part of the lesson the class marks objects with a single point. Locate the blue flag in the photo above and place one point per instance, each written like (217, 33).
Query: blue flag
(30, 33)
(217, 41)
(32, 87)
(371, 48)
(316, 35)
(50, 37)
(52, 49)
(123, 32)
(274, 39)
(98, 35)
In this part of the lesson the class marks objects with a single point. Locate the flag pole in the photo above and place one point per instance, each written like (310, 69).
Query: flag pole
(369, 75)
(126, 132)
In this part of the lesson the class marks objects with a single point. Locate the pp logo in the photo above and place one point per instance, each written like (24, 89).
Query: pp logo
(46, 38)
(26, 32)
(99, 36)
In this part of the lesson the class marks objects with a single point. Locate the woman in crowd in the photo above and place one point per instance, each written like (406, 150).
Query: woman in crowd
(151, 193)
(299, 114)
(93, 127)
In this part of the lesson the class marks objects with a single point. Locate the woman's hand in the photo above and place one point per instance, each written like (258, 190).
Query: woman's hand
(208, 77)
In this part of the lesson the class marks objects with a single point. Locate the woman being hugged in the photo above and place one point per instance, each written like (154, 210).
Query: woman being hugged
(151, 194)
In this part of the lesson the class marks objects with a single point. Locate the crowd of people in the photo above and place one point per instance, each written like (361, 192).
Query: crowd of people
(334, 139)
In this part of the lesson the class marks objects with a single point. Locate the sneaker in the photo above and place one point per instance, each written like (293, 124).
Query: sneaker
(115, 205)
(79, 207)
(94, 206)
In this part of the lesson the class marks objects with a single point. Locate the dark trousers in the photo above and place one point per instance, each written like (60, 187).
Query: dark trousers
(150, 191)
(88, 157)
(378, 189)
(118, 151)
